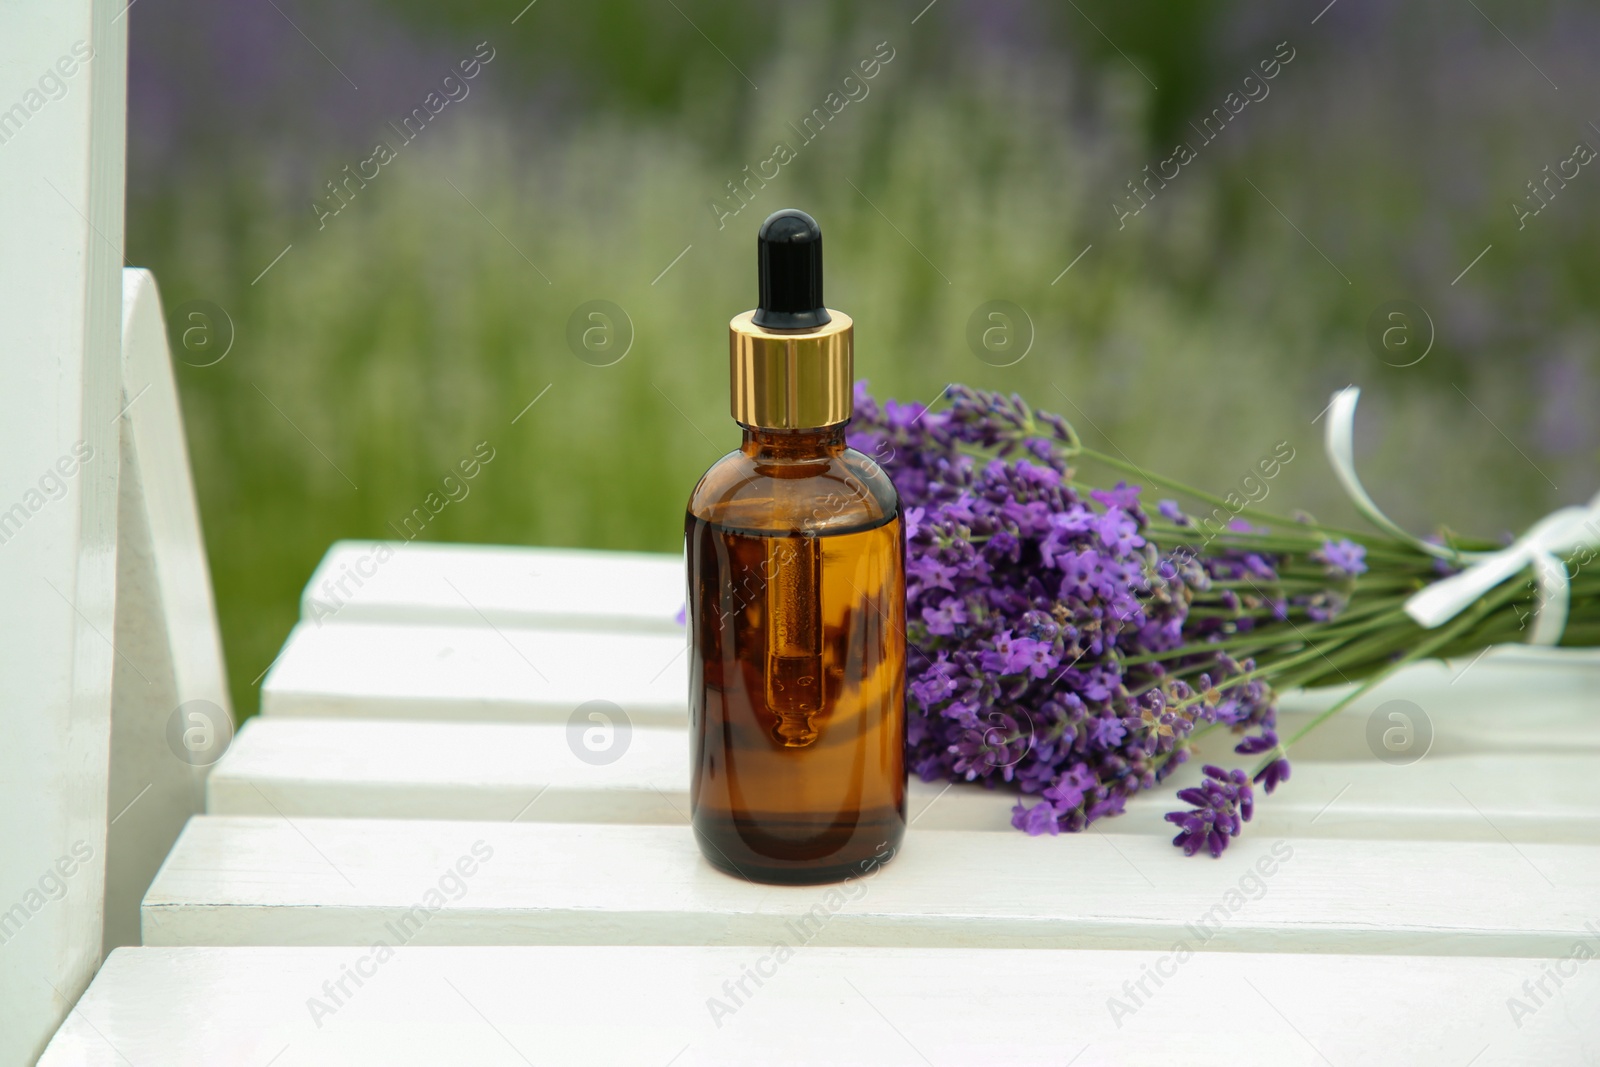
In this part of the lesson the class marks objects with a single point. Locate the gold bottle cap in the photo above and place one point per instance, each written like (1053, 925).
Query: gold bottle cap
(791, 379)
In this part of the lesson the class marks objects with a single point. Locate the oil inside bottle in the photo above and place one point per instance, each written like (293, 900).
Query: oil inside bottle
(797, 703)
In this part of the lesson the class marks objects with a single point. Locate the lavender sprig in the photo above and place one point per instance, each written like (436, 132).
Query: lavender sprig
(1066, 643)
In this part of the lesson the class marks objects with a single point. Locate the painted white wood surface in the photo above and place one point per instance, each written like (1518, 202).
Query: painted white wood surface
(493, 771)
(376, 714)
(564, 588)
(555, 588)
(61, 192)
(1511, 699)
(200, 1007)
(166, 628)
(474, 673)
(513, 587)
(253, 880)
(483, 673)
(444, 770)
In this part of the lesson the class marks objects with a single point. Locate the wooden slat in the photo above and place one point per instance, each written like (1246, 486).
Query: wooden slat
(561, 588)
(250, 880)
(488, 1006)
(434, 770)
(495, 771)
(558, 588)
(483, 673)
(1525, 671)
(1512, 698)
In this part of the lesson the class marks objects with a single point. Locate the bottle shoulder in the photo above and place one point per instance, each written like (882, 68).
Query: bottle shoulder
(828, 493)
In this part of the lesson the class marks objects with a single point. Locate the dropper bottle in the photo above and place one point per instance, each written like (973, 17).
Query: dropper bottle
(796, 611)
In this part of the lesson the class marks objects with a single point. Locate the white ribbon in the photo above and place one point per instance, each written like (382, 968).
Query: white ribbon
(1561, 532)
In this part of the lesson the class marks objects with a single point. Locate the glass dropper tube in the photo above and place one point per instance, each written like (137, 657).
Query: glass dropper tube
(794, 637)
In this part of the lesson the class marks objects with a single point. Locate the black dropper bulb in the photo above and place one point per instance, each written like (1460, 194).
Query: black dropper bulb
(789, 260)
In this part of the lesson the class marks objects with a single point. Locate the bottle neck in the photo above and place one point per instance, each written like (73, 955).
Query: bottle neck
(777, 446)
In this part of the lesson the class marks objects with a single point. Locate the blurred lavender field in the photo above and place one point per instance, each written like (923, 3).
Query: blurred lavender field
(415, 312)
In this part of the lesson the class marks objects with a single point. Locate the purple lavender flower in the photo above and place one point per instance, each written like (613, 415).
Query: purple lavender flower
(1124, 496)
(1108, 732)
(998, 659)
(1222, 803)
(1040, 621)
(913, 521)
(1272, 774)
(1036, 657)
(1266, 741)
(926, 572)
(1118, 532)
(1039, 819)
(944, 619)
(1345, 558)
(1070, 789)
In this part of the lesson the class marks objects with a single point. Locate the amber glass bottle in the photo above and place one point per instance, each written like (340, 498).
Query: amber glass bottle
(796, 609)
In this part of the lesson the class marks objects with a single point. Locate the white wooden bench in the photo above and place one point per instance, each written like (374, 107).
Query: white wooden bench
(1404, 909)
(404, 861)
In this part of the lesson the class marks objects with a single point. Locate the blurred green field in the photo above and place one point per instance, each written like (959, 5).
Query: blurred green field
(419, 321)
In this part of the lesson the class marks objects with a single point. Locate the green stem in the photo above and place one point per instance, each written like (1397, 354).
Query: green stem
(1211, 498)
(1270, 637)
(1282, 582)
(1422, 651)
(1169, 536)
(1246, 676)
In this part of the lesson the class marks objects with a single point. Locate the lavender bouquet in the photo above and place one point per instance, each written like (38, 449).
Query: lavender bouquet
(1066, 640)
